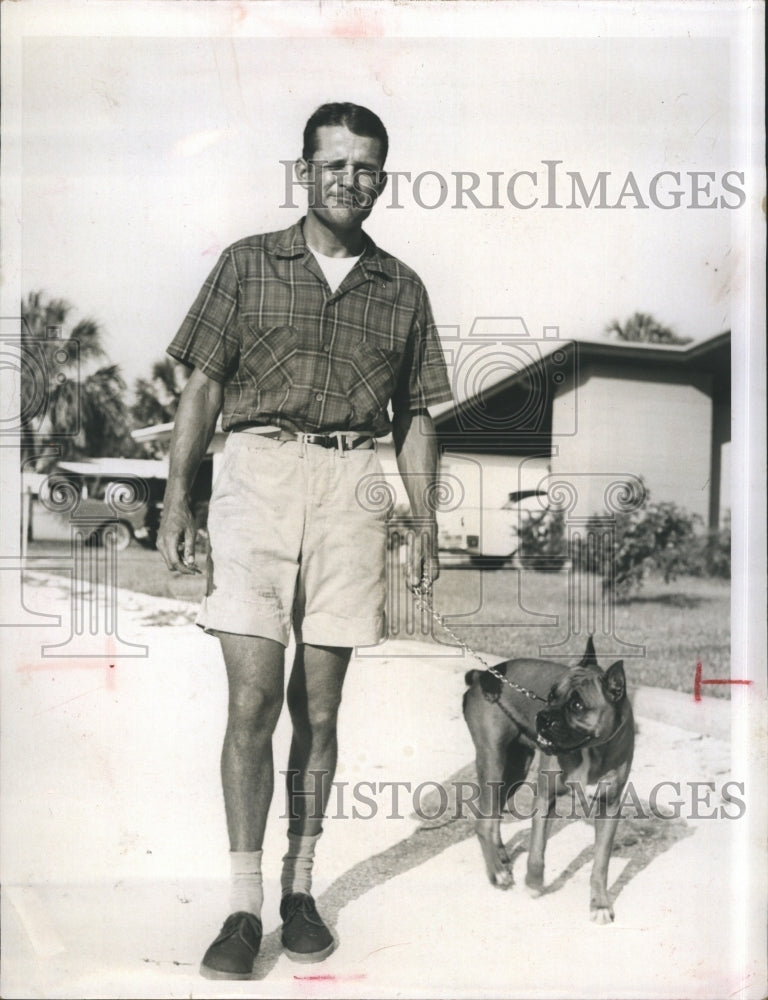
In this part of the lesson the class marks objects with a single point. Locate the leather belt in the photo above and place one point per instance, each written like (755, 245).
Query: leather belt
(340, 440)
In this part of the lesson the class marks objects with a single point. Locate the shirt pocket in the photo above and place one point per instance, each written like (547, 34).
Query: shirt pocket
(268, 356)
(376, 361)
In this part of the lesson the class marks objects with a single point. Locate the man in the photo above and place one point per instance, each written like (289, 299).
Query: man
(300, 339)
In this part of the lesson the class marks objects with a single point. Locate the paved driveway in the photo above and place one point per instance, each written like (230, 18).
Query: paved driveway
(114, 844)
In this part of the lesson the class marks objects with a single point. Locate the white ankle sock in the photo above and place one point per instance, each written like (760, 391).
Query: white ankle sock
(297, 863)
(246, 890)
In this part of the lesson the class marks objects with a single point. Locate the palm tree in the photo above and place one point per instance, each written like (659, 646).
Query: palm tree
(158, 397)
(644, 328)
(65, 413)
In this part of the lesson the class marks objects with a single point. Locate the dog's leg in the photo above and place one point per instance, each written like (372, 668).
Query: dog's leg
(600, 909)
(516, 766)
(491, 762)
(544, 808)
(609, 794)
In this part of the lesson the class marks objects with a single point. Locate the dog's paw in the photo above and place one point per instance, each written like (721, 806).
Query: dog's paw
(534, 885)
(601, 914)
(503, 879)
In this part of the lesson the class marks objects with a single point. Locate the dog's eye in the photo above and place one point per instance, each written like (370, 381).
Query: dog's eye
(576, 703)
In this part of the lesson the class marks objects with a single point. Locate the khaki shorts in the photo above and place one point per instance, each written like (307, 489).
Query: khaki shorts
(295, 540)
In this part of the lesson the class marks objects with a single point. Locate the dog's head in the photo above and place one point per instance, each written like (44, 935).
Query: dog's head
(583, 706)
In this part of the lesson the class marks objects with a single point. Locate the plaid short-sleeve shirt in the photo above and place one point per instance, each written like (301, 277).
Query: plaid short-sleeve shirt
(292, 353)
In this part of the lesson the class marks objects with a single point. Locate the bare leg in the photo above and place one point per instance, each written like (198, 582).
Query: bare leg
(255, 675)
(314, 696)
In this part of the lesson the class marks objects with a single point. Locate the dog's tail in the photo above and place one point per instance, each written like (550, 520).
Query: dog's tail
(470, 676)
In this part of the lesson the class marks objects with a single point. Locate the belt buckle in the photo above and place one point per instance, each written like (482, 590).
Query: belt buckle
(323, 440)
(302, 440)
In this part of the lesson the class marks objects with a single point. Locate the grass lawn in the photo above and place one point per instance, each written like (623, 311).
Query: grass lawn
(516, 613)
(677, 623)
(138, 569)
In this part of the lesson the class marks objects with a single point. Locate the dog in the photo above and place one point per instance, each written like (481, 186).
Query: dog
(585, 735)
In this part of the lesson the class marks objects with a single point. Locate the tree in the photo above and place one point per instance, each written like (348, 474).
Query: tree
(643, 328)
(158, 397)
(64, 412)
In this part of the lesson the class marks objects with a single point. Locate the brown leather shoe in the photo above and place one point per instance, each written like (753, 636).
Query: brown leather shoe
(233, 954)
(305, 937)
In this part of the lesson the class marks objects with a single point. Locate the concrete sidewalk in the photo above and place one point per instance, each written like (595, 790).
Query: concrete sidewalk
(114, 843)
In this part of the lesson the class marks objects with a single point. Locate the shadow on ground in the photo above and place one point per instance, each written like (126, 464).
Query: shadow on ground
(640, 840)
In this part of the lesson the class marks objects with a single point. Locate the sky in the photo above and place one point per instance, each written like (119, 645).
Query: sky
(149, 143)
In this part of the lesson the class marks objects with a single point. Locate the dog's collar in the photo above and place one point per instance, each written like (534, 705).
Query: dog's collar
(585, 742)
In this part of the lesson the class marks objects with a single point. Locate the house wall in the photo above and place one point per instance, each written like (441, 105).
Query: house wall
(645, 424)
(476, 487)
(720, 497)
(726, 502)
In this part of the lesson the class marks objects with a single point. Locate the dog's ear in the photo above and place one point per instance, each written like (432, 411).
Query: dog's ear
(614, 682)
(589, 659)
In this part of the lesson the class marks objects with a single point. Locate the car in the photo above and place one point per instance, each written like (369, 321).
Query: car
(490, 536)
(109, 504)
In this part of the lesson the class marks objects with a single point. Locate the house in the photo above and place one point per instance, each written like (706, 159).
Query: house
(595, 413)
(546, 419)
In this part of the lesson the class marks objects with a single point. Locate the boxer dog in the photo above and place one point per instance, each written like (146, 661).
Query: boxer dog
(586, 736)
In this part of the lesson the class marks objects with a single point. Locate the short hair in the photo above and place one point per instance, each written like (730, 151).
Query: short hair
(359, 121)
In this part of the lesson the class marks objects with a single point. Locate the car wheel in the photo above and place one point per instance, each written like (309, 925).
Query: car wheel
(123, 536)
(120, 532)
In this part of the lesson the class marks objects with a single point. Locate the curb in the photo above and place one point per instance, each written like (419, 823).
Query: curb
(710, 716)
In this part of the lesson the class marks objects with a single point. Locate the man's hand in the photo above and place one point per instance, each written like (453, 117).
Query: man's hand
(193, 429)
(176, 537)
(422, 566)
(417, 459)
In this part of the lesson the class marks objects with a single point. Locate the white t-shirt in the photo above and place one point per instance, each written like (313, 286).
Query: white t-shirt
(335, 269)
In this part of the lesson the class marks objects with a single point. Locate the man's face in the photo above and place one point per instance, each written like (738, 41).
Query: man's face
(343, 178)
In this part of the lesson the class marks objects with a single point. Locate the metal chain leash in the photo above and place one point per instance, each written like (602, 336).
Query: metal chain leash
(423, 594)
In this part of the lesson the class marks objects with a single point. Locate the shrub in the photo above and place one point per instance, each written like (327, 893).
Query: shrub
(543, 542)
(660, 536)
(623, 549)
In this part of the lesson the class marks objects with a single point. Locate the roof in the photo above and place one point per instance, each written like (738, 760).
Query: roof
(154, 432)
(711, 355)
(162, 432)
(146, 468)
